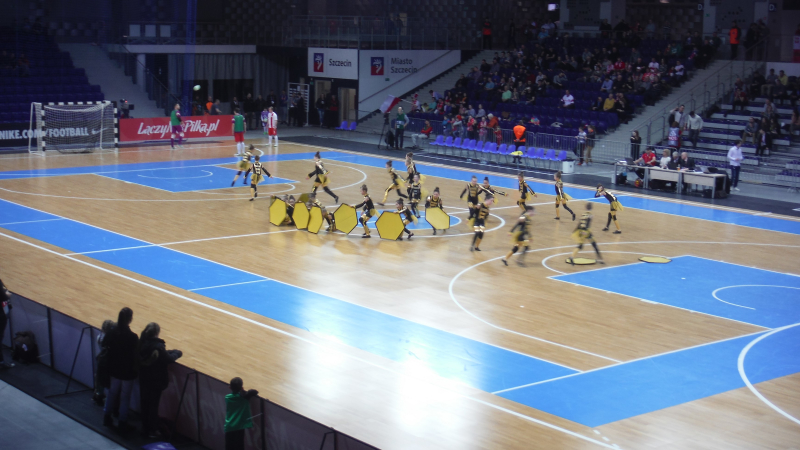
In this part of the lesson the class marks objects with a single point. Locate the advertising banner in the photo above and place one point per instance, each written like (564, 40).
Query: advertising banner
(158, 128)
(16, 134)
(395, 72)
(333, 63)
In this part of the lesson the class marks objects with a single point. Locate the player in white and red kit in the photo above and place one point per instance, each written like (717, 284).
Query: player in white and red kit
(272, 127)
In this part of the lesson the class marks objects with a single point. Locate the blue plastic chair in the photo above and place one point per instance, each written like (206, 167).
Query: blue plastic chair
(539, 156)
(449, 141)
(438, 142)
(352, 126)
(550, 156)
(343, 126)
(470, 147)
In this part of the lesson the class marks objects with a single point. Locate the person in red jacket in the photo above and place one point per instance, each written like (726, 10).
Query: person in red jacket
(734, 36)
(424, 133)
(487, 34)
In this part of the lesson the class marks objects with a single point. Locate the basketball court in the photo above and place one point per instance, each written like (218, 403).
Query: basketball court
(421, 343)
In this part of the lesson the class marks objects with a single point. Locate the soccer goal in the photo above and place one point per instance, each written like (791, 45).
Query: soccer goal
(81, 127)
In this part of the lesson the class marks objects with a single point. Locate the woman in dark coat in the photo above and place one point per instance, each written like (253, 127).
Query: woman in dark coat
(122, 366)
(153, 375)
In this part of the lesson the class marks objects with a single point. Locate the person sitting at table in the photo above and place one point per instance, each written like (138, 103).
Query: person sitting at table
(665, 159)
(686, 164)
(648, 159)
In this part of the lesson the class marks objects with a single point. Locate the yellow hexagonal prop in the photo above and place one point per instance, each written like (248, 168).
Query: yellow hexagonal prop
(346, 218)
(437, 218)
(303, 198)
(314, 220)
(277, 212)
(390, 225)
(300, 216)
(582, 261)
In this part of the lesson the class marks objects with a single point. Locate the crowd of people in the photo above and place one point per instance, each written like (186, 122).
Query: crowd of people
(290, 108)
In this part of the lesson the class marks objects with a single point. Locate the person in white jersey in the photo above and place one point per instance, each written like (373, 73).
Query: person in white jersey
(568, 101)
(272, 127)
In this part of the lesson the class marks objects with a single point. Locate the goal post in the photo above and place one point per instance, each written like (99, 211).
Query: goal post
(74, 127)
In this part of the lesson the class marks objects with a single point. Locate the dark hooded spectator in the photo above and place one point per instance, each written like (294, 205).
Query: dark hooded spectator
(122, 363)
(154, 359)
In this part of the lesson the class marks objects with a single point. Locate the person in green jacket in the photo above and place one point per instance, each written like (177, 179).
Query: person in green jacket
(400, 123)
(177, 128)
(238, 417)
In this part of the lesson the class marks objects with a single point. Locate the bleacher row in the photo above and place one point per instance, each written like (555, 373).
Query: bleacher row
(53, 78)
(569, 118)
(476, 149)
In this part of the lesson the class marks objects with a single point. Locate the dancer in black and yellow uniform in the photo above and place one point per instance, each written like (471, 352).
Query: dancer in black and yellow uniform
(480, 222)
(397, 183)
(561, 197)
(320, 175)
(411, 167)
(616, 206)
(523, 191)
(243, 165)
(582, 234)
(520, 236)
(258, 175)
(434, 201)
(415, 195)
(367, 212)
(290, 202)
(407, 217)
(488, 188)
(473, 190)
(313, 201)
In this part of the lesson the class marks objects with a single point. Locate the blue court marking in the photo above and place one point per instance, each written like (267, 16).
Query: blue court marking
(14, 213)
(186, 179)
(477, 364)
(629, 389)
(689, 282)
(421, 224)
(474, 363)
(506, 183)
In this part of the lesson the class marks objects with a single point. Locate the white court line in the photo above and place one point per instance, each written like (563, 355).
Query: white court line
(740, 367)
(226, 285)
(751, 267)
(178, 242)
(30, 221)
(628, 362)
(316, 344)
(714, 294)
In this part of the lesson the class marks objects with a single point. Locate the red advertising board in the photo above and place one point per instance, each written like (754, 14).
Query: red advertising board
(158, 128)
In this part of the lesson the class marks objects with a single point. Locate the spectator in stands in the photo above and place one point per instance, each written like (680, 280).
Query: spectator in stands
(694, 124)
(485, 68)
(739, 99)
(778, 91)
(493, 121)
(483, 129)
(750, 131)
(567, 100)
(400, 122)
(487, 34)
(102, 379)
(458, 126)
(238, 417)
(650, 29)
(320, 105)
(209, 105)
(769, 109)
(734, 38)
(636, 142)
(216, 109)
(794, 125)
(769, 83)
(560, 80)
(735, 159)
(605, 28)
(608, 105)
(489, 86)
(677, 114)
(154, 359)
(607, 85)
(507, 94)
(498, 135)
(5, 306)
(481, 113)
(597, 105)
(654, 66)
(580, 141)
(781, 76)
(235, 104)
(635, 56)
(680, 72)
(122, 363)
(764, 140)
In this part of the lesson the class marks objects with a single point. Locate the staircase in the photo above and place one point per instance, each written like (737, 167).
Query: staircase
(446, 80)
(114, 83)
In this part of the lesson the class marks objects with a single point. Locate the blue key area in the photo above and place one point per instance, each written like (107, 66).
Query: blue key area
(14, 213)
(630, 389)
(755, 296)
(189, 178)
(508, 184)
(175, 268)
(477, 364)
(454, 357)
(421, 224)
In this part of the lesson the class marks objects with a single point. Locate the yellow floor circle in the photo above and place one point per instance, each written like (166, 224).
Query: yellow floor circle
(582, 261)
(655, 259)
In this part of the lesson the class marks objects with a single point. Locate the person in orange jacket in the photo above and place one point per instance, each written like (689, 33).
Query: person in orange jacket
(735, 36)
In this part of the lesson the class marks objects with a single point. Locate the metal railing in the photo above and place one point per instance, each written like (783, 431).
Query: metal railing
(193, 402)
(715, 86)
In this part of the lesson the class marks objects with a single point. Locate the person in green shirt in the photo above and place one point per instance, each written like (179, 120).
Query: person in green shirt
(239, 128)
(177, 129)
(400, 126)
(238, 417)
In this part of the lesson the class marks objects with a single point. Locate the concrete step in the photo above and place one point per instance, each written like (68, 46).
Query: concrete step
(112, 80)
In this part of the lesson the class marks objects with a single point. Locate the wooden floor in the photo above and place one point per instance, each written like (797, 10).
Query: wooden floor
(387, 403)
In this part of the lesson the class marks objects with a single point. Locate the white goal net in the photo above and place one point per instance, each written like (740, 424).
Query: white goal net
(73, 127)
